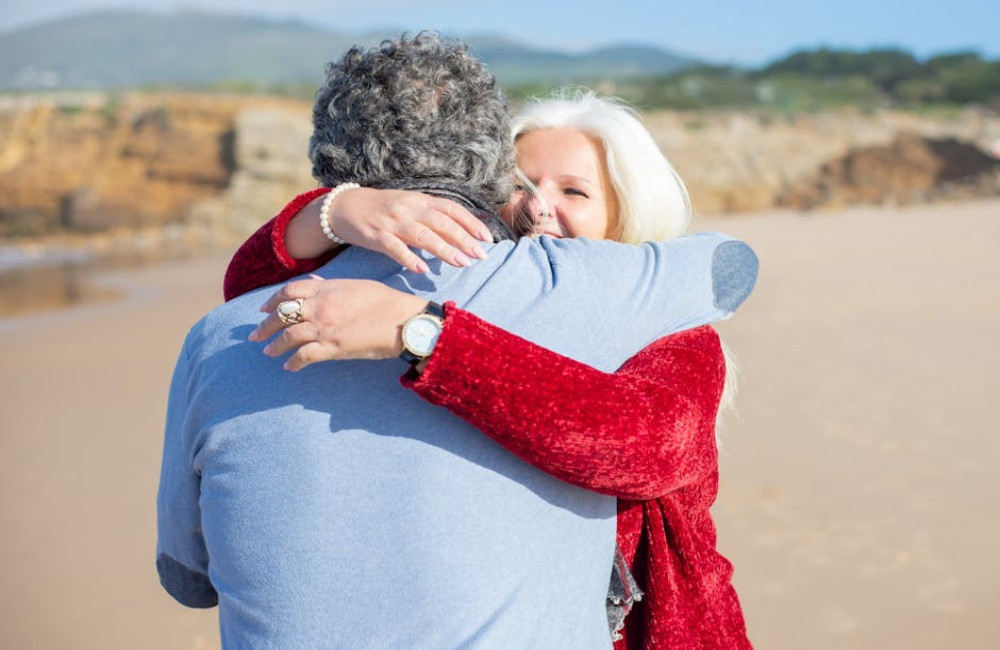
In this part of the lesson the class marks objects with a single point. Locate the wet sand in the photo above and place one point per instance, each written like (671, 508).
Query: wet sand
(35, 290)
(859, 486)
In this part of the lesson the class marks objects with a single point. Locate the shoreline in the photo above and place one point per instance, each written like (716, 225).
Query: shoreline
(118, 288)
(69, 281)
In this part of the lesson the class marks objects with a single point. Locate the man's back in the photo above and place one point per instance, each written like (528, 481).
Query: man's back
(339, 510)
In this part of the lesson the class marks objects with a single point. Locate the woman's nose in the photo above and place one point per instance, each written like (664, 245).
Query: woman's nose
(538, 207)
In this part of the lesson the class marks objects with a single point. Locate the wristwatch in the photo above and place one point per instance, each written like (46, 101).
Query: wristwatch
(421, 332)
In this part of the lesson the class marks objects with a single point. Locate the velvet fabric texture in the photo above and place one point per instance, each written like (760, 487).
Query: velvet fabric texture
(263, 258)
(644, 434)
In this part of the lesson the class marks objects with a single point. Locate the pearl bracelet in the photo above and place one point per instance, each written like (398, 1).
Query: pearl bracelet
(324, 210)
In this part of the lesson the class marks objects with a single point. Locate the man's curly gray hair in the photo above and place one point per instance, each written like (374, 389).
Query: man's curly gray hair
(420, 108)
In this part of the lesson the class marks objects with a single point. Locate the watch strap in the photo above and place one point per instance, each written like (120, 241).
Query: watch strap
(434, 309)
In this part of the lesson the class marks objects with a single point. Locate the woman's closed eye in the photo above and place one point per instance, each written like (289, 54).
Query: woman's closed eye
(575, 191)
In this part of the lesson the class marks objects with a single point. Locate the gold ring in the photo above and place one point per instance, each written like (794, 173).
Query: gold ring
(290, 311)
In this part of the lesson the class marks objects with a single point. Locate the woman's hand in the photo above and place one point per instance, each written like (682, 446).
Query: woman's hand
(340, 319)
(389, 221)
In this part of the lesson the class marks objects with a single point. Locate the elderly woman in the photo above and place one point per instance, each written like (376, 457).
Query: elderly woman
(644, 434)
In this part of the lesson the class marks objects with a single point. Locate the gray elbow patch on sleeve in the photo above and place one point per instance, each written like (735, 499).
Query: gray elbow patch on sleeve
(734, 273)
(189, 588)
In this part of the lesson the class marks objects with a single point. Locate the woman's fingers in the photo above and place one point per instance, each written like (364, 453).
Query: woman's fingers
(308, 354)
(293, 337)
(301, 289)
(435, 232)
(459, 227)
(343, 319)
(468, 221)
(291, 291)
(267, 328)
(439, 226)
(430, 237)
(395, 248)
(389, 221)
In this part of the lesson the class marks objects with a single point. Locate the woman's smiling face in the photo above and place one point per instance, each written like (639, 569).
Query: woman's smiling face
(575, 197)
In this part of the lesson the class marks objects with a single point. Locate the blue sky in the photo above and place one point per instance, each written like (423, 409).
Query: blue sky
(741, 32)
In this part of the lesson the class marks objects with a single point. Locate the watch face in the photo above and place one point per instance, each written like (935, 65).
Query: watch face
(420, 334)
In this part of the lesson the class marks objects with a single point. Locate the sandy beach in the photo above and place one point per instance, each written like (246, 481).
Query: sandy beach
(859, 492)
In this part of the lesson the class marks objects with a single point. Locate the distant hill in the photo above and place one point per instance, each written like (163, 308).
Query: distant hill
(513, 63)
(117, 49)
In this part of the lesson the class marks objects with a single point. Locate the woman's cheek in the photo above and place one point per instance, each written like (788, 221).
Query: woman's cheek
(516, 216)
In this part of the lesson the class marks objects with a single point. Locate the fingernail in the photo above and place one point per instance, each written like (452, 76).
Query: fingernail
(422, 267)
(486, 235)
(462, 260)
(478, 251)
(267, 349)
(253, 336)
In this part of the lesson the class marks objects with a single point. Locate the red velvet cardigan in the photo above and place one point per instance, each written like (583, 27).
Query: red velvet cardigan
(644, 434)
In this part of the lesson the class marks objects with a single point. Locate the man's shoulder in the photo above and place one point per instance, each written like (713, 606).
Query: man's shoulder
(583, 248)
(601, 256)
(223, 325)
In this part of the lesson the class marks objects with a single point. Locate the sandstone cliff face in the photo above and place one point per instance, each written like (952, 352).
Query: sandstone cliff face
(271, 153)
(132, 164)
(134, 161)
(209, 168)
(741, 162)
(910, 169)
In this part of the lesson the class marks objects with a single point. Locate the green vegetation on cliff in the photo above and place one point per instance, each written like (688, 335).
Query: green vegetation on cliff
(819, 78)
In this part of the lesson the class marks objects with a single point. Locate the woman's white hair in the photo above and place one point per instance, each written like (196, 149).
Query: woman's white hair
(653, 204)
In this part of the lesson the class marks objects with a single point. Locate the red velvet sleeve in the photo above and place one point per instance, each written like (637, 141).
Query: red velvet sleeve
(263, 258)
(637, 433)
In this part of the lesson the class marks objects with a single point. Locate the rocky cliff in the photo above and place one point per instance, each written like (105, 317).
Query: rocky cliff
(737, 162)
(97, 164)
(210, 168)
